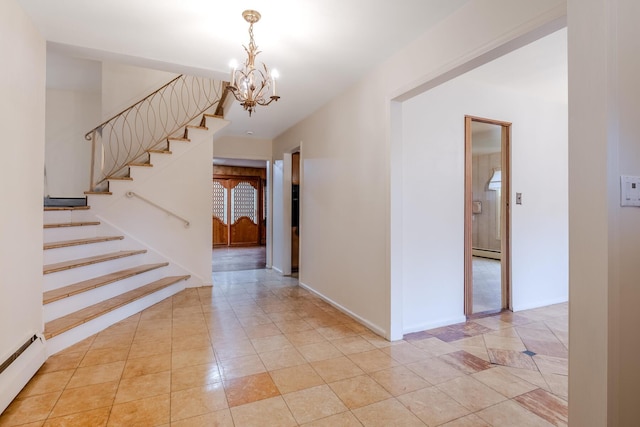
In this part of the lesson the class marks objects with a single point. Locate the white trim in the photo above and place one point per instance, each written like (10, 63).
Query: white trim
(432, 325)
(375, 328)
(18, 374)
(539, 304)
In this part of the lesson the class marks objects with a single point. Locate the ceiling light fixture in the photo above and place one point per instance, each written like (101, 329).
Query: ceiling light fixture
(250, 85)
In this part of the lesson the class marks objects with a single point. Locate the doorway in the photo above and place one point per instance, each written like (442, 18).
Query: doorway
(487, 216)
(295, 211)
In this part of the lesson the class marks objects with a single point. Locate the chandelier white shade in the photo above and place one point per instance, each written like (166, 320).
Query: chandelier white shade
(252, 86)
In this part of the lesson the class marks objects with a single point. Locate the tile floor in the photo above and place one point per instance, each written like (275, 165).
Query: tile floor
(257, 350)
(487, 290)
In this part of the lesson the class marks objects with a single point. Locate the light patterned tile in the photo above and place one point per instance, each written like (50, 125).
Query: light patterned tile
(152, 411)
(254, 414)
(359, 391)
(313, 403)
(386, 413)
(433, 406)
(470, 393)
(249, 389)
(399, 380)
(196, 401)
(296, 378)
(509, 414)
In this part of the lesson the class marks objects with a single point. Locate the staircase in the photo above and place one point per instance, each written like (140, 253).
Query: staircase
(94, 275)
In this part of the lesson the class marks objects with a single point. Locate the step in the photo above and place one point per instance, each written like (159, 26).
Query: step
(159, 151)
(72, 224)
(120, 178)
(67, 265)
(96, 282)
(179, 139)
(66, 208)
(77, 242)
(144, 165)
(63, 324)
(100, 193)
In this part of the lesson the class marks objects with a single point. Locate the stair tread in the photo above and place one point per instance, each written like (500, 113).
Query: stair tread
(146, 165)
(176, 138)
(66, 208)
(71, 224)
(197, 127)
(120, 178)
(104, 193)
(217, 116)
(67, 265)
(159, 151)
(96, 282)
(77, 242)
(63, 324)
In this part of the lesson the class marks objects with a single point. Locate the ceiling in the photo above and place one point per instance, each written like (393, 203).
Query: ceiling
(320, 47)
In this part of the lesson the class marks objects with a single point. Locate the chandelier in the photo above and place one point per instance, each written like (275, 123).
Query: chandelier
(249, 85)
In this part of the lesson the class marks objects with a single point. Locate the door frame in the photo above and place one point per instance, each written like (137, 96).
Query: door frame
(505, 217)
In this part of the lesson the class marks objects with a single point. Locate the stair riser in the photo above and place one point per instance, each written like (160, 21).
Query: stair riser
(67, 339)
(74, 303)
(53, 217)
(68, 253)
(69, 233)
(74, 275)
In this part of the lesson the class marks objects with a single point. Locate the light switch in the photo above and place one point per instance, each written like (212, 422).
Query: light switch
(629, 190)
(518, 198)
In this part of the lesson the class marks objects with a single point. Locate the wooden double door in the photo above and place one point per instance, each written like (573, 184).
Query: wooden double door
(238, 211)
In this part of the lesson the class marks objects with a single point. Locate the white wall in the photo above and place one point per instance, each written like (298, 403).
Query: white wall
(124, 85)
(433, 206)
(233, 147)
(22, 112)
(72, 109)
(346, 197)
(278, 213)
(604, 238)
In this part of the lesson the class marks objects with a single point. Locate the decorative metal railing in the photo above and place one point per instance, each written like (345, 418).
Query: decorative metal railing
(126, 137)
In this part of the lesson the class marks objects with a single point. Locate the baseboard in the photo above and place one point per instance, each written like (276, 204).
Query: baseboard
(278, 270)
(540, 304)
(18, 374)
(375, 328)
(431, 325)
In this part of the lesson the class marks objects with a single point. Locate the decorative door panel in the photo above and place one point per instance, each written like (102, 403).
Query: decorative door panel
(220, 221)
(237, 209)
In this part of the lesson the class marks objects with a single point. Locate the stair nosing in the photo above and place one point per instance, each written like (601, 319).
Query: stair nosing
(171, 281)
(97, 282)
(82, 262)
(71, 224)
(105, 193)
(160, 151)
(145, 165)
(78, 242)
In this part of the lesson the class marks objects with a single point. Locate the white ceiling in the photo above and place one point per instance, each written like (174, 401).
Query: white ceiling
(320, 47)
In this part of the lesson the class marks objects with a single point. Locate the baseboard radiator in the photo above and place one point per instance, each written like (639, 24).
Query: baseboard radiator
(17, 369)
(486, 253)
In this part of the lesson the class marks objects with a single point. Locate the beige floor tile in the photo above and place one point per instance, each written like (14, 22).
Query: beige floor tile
(282, 358)
(196, 356)
(399, 380)
(319, 351)
(190, 342)
(113, 340)
(313, 403)
(232, 349)
(509, 414)
(241, 367)
(299, 339)
(291, 326)
(96, 374)
(147, 365)
(149, 348)
(552, 365)
(194, 376)
(85, 398)
(249, 389)
(62, 361)
(471, 393)
(504, 343)
(503, 382)
(143, 386)
(296, 378)
(100, 356)
(468, 421)
(94, 418)
(533, 377)
(197, 401)
(351, 345)
(254, 414)
(359, 391)
(220, 418)
(434, 346)
(387, 413)
(337, 369)
(433, 406)
(373, 360)
(47, 382)
(29, 409)
(152, 411)
(336, 332)
(343, 419)
(434, 370)
(473, 345)
(261, 331)
(405, 353)
(558, 384)
(546, 406)
(270, 343)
